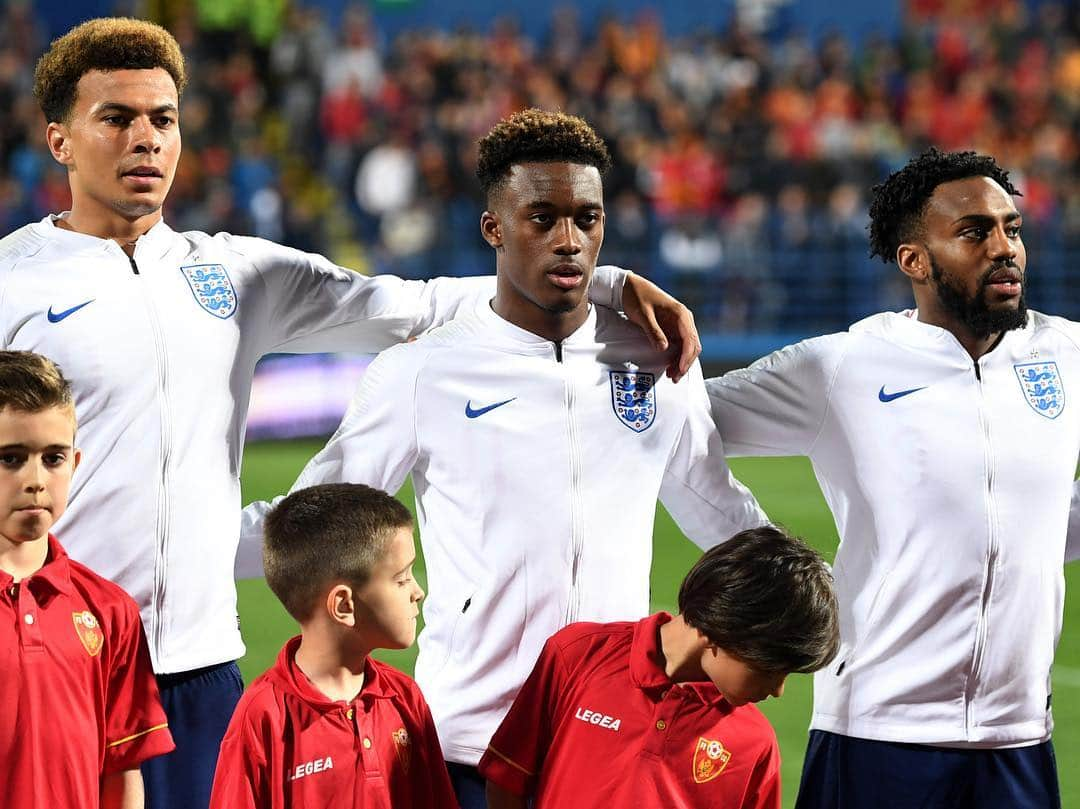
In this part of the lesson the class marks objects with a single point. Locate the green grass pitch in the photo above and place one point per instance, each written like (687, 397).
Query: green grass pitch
(788, 492)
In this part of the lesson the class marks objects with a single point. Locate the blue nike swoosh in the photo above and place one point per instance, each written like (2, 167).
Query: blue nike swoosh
(472, 414)
(56, 317)
(888, 397)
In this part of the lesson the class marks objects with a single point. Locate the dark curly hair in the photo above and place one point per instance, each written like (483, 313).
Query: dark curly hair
(107, 43)
(898, 204)
(538, 136)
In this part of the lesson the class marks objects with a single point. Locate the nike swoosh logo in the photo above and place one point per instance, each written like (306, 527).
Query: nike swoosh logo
(472, 414)
(888, 397)
(56, 317)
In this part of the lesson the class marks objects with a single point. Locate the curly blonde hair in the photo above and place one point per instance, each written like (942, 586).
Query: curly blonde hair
(538, 136)
(107, 43)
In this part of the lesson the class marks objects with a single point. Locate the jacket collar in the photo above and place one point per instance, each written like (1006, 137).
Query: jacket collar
(153, 243)
(585, 333)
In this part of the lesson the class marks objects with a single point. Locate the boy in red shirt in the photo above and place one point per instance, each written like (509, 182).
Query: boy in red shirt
(79, 710)
(328, 725)
(657, 713)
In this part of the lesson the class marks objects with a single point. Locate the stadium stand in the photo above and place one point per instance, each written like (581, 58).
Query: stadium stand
(742, 157)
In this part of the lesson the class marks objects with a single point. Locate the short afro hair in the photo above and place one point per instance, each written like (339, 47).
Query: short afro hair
(538, 136)
(107, 43)
(898, 204)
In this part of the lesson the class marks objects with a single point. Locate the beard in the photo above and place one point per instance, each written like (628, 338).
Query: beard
(973, 311)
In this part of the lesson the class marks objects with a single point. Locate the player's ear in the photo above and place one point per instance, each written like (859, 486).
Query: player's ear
(341, 605)
(76, 459)
(59, 140)
(491, 228)
(913, 259)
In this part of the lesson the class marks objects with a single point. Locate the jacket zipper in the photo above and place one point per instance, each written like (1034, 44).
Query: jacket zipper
(160, 563)
(991, 560)
(573, 605)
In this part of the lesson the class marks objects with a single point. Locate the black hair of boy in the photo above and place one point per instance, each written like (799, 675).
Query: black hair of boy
(537, 136)
(31, 383)
(335, 532)
(765, 598)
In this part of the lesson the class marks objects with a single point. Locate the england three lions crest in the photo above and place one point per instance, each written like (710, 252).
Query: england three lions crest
(633, 396)
(212, 288)
(1041, 383)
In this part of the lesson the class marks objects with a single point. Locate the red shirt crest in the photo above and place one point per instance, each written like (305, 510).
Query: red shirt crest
(89, 631)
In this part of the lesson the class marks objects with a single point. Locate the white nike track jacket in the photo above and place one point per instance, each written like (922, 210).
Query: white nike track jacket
(950, 483)
(536, 468)
(160, 349)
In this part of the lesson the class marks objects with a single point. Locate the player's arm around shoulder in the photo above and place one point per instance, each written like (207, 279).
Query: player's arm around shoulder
(312, 304)
(698, 488)
(777, 405)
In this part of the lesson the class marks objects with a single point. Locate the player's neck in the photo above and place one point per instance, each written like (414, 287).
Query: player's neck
(22, 559)
(336, 671)
(681, 646)
(108, 225)
(553, 326)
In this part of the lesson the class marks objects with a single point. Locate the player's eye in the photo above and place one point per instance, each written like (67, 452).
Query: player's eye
(8, 459)
(54, 458)
(541, 218)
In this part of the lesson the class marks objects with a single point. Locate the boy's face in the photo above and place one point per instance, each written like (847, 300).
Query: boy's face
(387, 604)
(737, 680)
(37, 459)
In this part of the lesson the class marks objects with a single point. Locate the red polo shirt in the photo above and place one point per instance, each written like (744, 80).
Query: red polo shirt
(78, 697)
(598, 723)
(288, 745)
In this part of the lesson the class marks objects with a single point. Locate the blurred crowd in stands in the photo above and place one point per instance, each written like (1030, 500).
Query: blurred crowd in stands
(742, 162)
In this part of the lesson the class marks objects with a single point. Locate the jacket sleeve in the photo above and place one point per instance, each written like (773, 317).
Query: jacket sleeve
(375, 445)
(704, 498)
(311, 304)
(777, 406)
(315, 305)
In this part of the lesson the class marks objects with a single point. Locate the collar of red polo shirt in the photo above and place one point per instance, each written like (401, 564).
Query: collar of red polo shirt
(647, 662)
(289, 676)
(55, 573)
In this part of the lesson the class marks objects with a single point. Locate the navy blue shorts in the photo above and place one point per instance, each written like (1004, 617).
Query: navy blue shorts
(841, 772)
(199, 705)
(469, 786)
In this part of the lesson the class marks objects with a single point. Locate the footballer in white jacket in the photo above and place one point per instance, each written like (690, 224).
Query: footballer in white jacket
(943, 442)
(536, 467)
(539, 433)
(159, 333)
